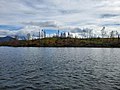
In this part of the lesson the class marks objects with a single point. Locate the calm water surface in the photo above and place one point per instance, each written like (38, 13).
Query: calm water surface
(59, 68)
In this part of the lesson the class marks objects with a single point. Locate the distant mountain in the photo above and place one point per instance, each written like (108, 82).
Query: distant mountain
(6, 39)
(21, 38)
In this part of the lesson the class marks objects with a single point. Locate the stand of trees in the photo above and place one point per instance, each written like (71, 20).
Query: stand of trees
(65, 42)
(106, 40)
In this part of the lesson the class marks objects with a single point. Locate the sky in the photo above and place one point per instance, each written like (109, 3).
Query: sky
(24, 16)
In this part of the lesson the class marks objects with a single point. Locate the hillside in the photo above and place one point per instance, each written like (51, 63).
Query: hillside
(6, 39)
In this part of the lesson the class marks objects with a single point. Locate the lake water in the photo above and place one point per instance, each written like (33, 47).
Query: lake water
(32, 68)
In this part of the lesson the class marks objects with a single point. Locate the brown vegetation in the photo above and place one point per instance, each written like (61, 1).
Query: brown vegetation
(65, 42)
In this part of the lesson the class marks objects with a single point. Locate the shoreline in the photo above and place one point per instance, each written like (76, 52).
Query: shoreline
(66, 42)
(64, 46)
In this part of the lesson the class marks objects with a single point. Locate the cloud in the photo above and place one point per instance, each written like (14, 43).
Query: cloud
(47, 24)
(4, 33)
(62, 14)
(109, 15)
(10, 27)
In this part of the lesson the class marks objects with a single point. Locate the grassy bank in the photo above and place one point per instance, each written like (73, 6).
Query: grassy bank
(65, 42)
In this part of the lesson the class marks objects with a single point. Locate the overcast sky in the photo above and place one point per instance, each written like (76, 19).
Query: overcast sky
(59, 13)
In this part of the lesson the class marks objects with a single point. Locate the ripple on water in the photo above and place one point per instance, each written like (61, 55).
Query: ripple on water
(59, 69)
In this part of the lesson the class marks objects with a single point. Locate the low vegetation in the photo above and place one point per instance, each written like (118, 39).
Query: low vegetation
(65, 42)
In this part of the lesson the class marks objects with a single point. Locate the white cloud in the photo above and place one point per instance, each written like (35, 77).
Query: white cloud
(61, 13)
(4, 33)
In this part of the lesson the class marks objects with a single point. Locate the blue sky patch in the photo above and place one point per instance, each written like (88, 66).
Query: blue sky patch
(51, 31)
(10, 27)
